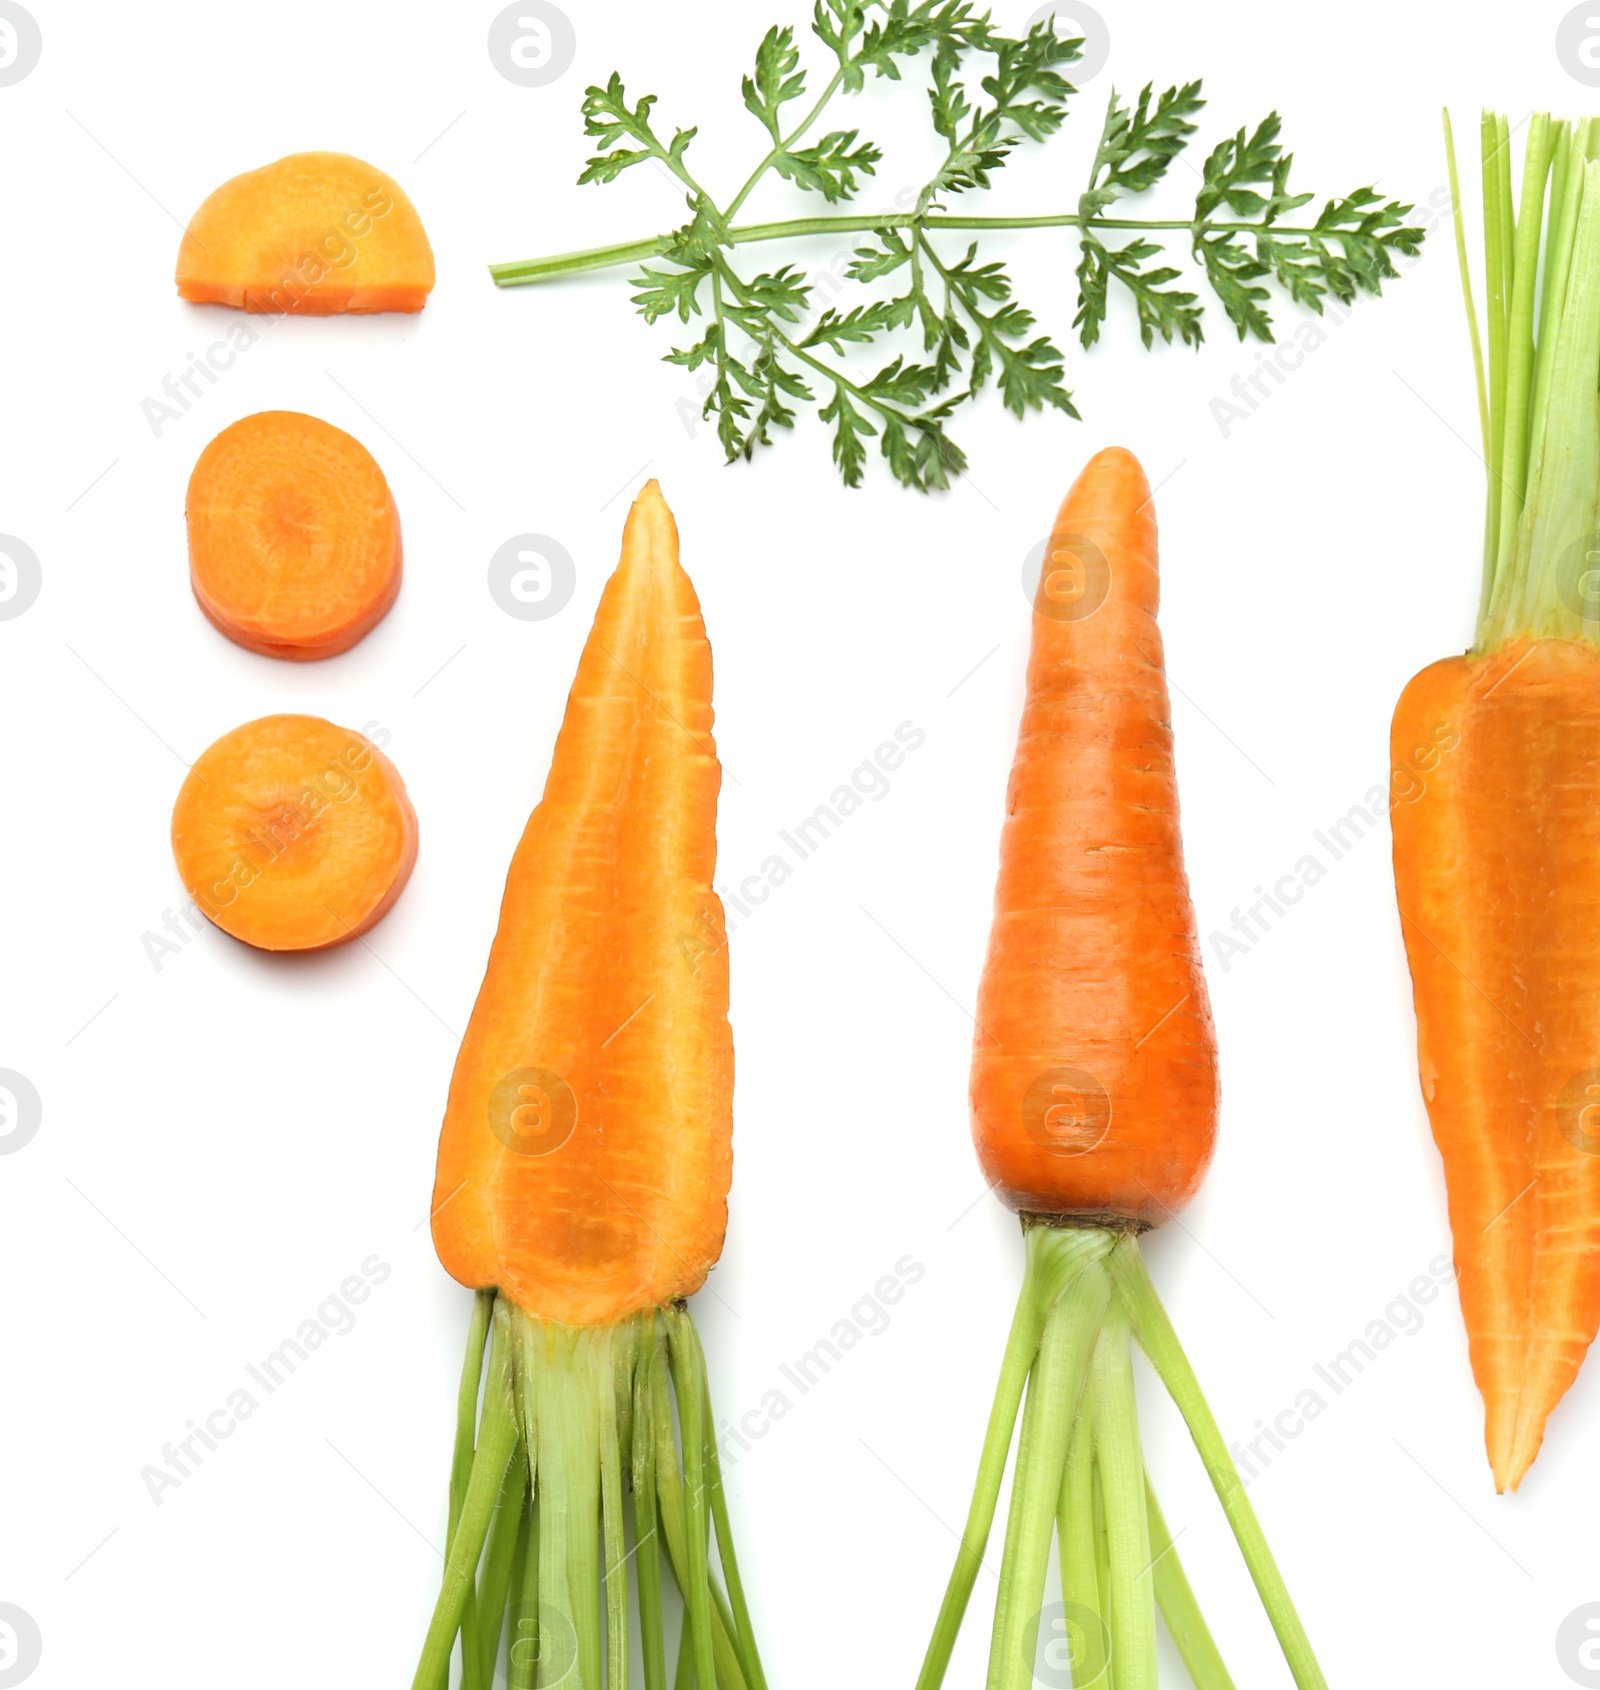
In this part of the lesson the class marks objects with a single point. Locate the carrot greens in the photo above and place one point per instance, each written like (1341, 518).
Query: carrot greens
(951, 320)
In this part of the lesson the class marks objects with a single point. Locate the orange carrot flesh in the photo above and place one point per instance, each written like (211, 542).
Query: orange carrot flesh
(292, 834)
(294, 540)
(1094, 1076)
(1499, 903)
(587, 1139)
(315, 233)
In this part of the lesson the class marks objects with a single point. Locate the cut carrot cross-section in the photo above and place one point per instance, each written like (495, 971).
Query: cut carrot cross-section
(314, 234)
(294, 541)
(293, 834)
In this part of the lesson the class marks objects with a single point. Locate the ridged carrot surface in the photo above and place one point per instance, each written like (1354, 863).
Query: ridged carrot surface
(586, 1155)
(1094, 1078)
(1495, 870)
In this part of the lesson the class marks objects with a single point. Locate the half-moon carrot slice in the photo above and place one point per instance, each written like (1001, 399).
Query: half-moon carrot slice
(294, 540)
(314, 234)
(293, 834)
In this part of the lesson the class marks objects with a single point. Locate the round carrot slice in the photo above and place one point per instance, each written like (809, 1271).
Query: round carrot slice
(294, 541)
(293, 834)
(313, 234)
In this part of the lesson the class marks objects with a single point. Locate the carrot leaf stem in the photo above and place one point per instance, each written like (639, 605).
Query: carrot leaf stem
(538, 1545)
(497, 1437)
(1054, 1255)
(1080, 1472)
(1159, 1341)
(1179, 1609)
(1541, 576)
(989, 95)
(1120, 1465)
(1055, 1391)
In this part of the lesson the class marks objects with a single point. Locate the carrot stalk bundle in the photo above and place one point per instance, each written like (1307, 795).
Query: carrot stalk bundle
(582, 1187)
(1094, 1098)
(1497, 850)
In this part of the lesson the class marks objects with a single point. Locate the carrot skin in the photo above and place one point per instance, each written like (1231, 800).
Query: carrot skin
(1499, 903)
(603, 1191)
(1094, 1077)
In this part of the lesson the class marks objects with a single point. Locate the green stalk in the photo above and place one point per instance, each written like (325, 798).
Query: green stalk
(1102, 1573)
(497, 1437)
(743, 1633)
(1519, 335)
(522, 272)
(1054, 1254)
(1054, 1390)
(691, 1417)
(494, 1579)
(1178, 1606)
(516, 1587)
(1160, 1342)
(615, 1538)
(646, 1529)
(1544, 483)
(1497, 238)
(1121, 1468)
(1458, 218)
(569, 1415)
(1082, 1601)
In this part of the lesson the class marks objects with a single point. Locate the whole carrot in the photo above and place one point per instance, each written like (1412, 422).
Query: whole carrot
(582, 1185)
(1497, 855)
(1094, 1106)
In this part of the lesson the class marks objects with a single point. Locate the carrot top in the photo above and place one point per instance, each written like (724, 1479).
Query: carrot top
(1537, 390)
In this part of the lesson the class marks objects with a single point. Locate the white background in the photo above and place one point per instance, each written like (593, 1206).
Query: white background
(226, 1139)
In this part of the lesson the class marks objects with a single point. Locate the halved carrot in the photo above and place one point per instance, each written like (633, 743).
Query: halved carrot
(294, 540)
(293, 834)
(315, 233)
(582, 1188)
(1497, 844)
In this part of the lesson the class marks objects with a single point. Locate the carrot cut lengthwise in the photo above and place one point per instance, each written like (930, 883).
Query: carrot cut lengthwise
(294, 540)
(313, 234)
(1094, 1105)
(582, 1185)
(293, 834)
(1497, 848)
